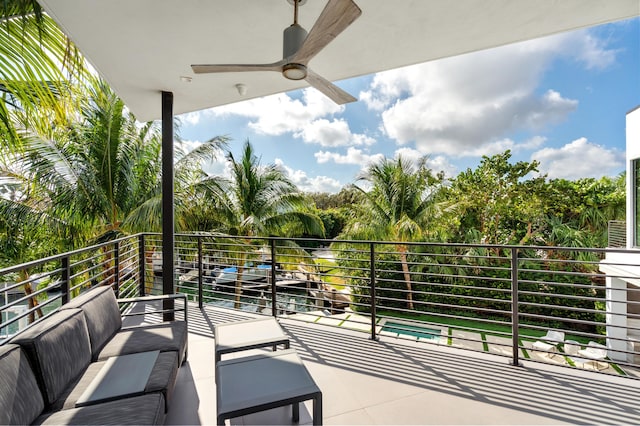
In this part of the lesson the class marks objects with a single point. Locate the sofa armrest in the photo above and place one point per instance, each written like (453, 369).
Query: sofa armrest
(162, 297)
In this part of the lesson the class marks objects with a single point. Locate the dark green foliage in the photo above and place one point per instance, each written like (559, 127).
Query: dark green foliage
(477, 282)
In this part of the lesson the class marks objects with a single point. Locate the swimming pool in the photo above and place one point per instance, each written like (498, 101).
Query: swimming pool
(404, 329)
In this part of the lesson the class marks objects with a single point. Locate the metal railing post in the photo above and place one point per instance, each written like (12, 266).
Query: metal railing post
(65, 276)
(372, 289)
(515, 334)
(200, 272)
(274, 300)
(116, 266)
(143, 260)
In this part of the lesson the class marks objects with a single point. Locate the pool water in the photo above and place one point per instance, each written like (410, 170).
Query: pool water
(411, 330)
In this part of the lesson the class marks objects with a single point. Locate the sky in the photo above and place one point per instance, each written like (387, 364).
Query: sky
(560, 100)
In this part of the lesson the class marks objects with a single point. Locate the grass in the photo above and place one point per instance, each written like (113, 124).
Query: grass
(477, 325)
(489, 329)
(327, 269)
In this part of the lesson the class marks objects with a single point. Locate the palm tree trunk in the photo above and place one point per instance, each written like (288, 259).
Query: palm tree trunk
(407, 275)
(238, 289)
(33, 302)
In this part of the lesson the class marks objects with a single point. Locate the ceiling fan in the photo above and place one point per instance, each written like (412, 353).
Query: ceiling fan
(299, 48)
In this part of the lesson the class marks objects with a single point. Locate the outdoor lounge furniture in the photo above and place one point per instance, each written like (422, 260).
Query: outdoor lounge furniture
(261, 382)
(250, 334)
(77, 366)
(553, 337)
(110, 338)
(549, 343)
(544, 347)
(571, 347)
(595, 354)
(22, 401)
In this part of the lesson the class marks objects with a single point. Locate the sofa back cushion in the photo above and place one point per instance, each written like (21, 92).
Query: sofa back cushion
(103, 316)
(58, 349)
(20, 398)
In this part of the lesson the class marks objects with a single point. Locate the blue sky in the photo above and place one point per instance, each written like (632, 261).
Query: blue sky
(560, 100)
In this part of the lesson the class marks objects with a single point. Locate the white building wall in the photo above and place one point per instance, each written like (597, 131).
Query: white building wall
(623, 268)
(633, 152)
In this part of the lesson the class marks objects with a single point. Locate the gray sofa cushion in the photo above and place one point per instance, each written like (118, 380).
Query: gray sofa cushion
(140, 410)
(162, 379)
(167, 336)
(58, 350)
(102, 313)
(20, 399)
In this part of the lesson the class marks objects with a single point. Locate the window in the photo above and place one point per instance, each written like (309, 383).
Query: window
(635, 166)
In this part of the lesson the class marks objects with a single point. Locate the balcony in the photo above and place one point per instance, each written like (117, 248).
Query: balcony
(396, 381)
(448, 357)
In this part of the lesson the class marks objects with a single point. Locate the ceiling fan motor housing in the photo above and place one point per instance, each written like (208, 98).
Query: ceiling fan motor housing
(293, 37)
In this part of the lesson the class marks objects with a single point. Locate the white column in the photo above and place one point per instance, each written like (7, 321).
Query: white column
(616, 318)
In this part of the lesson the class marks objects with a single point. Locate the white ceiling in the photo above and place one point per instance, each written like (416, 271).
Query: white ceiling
(143, 47)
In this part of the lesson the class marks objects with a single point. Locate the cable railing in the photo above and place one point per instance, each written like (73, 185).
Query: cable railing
(505, 300)
(617, 233)
(33, 290)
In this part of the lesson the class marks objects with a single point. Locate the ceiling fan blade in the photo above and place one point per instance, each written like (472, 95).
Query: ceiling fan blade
(336, 16)
(329, 89)
(213, 68)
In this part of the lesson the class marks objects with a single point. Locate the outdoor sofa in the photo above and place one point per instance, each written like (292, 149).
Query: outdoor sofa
(51, 372)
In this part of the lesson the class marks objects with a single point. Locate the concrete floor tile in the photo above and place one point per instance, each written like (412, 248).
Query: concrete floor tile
(356, 417)
(394, 381)
(501, 345)
(276, 416)
(193, 402)
(466, 340)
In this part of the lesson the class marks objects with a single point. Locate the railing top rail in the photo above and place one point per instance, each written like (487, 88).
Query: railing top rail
(409, 243)
(38, 262)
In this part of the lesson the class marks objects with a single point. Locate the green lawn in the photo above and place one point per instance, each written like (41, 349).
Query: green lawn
(477, 325)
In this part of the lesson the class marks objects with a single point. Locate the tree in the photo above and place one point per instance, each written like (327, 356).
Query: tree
(496, 203)
(580, 210)
(398, 207)
(39, 72)
(38, 63)
(259, 201)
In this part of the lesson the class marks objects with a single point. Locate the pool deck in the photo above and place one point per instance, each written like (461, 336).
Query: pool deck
(462, 339)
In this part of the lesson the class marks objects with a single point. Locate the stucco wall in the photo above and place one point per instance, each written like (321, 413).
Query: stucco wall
(633, 152)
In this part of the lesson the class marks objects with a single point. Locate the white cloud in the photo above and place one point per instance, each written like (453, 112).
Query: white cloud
(593, 52)
(579, 159)
(305, 119)
(310, 184)
(353, 156)
(467, 105)
(332, 134)
(499, 146)
(437, 164)
(191, 118)
(218, 167)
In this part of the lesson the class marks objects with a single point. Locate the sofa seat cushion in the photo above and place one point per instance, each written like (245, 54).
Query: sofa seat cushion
(167, 336)
(58, 350)
(20, 399)
(162, 379)
(146, 409)
(102, 314)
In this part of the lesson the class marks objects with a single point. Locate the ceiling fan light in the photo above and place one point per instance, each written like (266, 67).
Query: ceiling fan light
(294, 71)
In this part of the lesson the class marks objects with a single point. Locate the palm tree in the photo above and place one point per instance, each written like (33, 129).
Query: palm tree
(38, 64)
(259, 200)
(98, 169)
(38, 74)
(397, 207)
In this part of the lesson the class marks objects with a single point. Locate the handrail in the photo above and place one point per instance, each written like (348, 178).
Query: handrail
(469, 291)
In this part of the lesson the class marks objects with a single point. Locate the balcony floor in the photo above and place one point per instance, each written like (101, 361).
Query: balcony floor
(394, 381)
